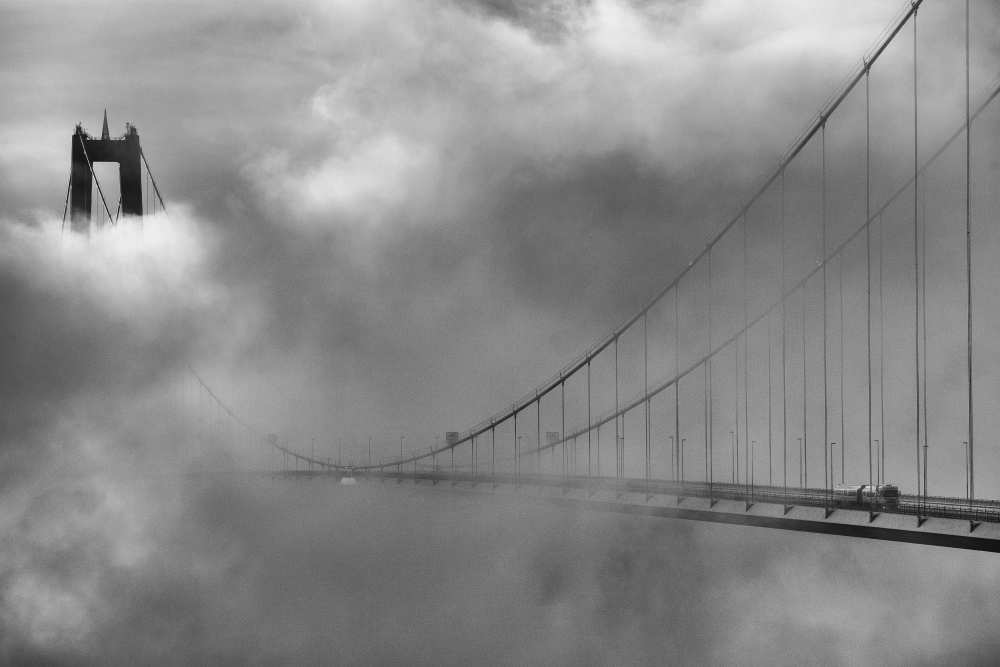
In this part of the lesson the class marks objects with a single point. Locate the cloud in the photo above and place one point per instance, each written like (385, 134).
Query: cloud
(257, 570)
(391, 218)
(96, 322)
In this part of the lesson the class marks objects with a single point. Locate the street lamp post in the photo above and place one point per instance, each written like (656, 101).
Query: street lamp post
(878, 469)
(925, 472)
(673, 458)
(965, 452)
(517, 458)
(683, 442)
(800, 463)
(833, 459)
(732, 453)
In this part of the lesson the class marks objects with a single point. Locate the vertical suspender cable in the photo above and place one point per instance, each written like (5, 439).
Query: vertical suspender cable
(916, 256)
(868, 261)
(736, 408)
(770, 410)
(617, 407)
(517, 454)
(804, 476)
(645, 384)
(746, 355)
(922, 217)
(881, 354)
(538, 435)
(784, 347)
(562, 437)
(827, 478)
(677, 382)
(621, 455)
(770, 426)
(843, 402)
(589, 420)
(709, 463)
(968, 249)
(708, 426)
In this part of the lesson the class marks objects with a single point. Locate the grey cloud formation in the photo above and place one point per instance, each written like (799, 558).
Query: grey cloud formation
(393, 218)
(471, 168)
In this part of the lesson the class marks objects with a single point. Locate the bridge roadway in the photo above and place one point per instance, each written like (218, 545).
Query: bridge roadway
(936, 520)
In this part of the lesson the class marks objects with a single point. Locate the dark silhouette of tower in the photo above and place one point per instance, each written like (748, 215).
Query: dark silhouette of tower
(86, 151)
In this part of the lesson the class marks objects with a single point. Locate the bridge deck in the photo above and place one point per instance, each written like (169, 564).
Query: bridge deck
(956, 523)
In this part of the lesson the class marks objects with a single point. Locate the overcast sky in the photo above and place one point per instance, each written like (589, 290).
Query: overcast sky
(388, 218)
(428, 207)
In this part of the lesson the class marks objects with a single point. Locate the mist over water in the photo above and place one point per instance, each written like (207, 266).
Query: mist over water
(247, 569)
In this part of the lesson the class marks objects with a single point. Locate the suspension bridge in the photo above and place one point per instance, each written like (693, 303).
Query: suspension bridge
(825, 363)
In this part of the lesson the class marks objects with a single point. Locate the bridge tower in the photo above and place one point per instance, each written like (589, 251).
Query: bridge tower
(86, 150)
